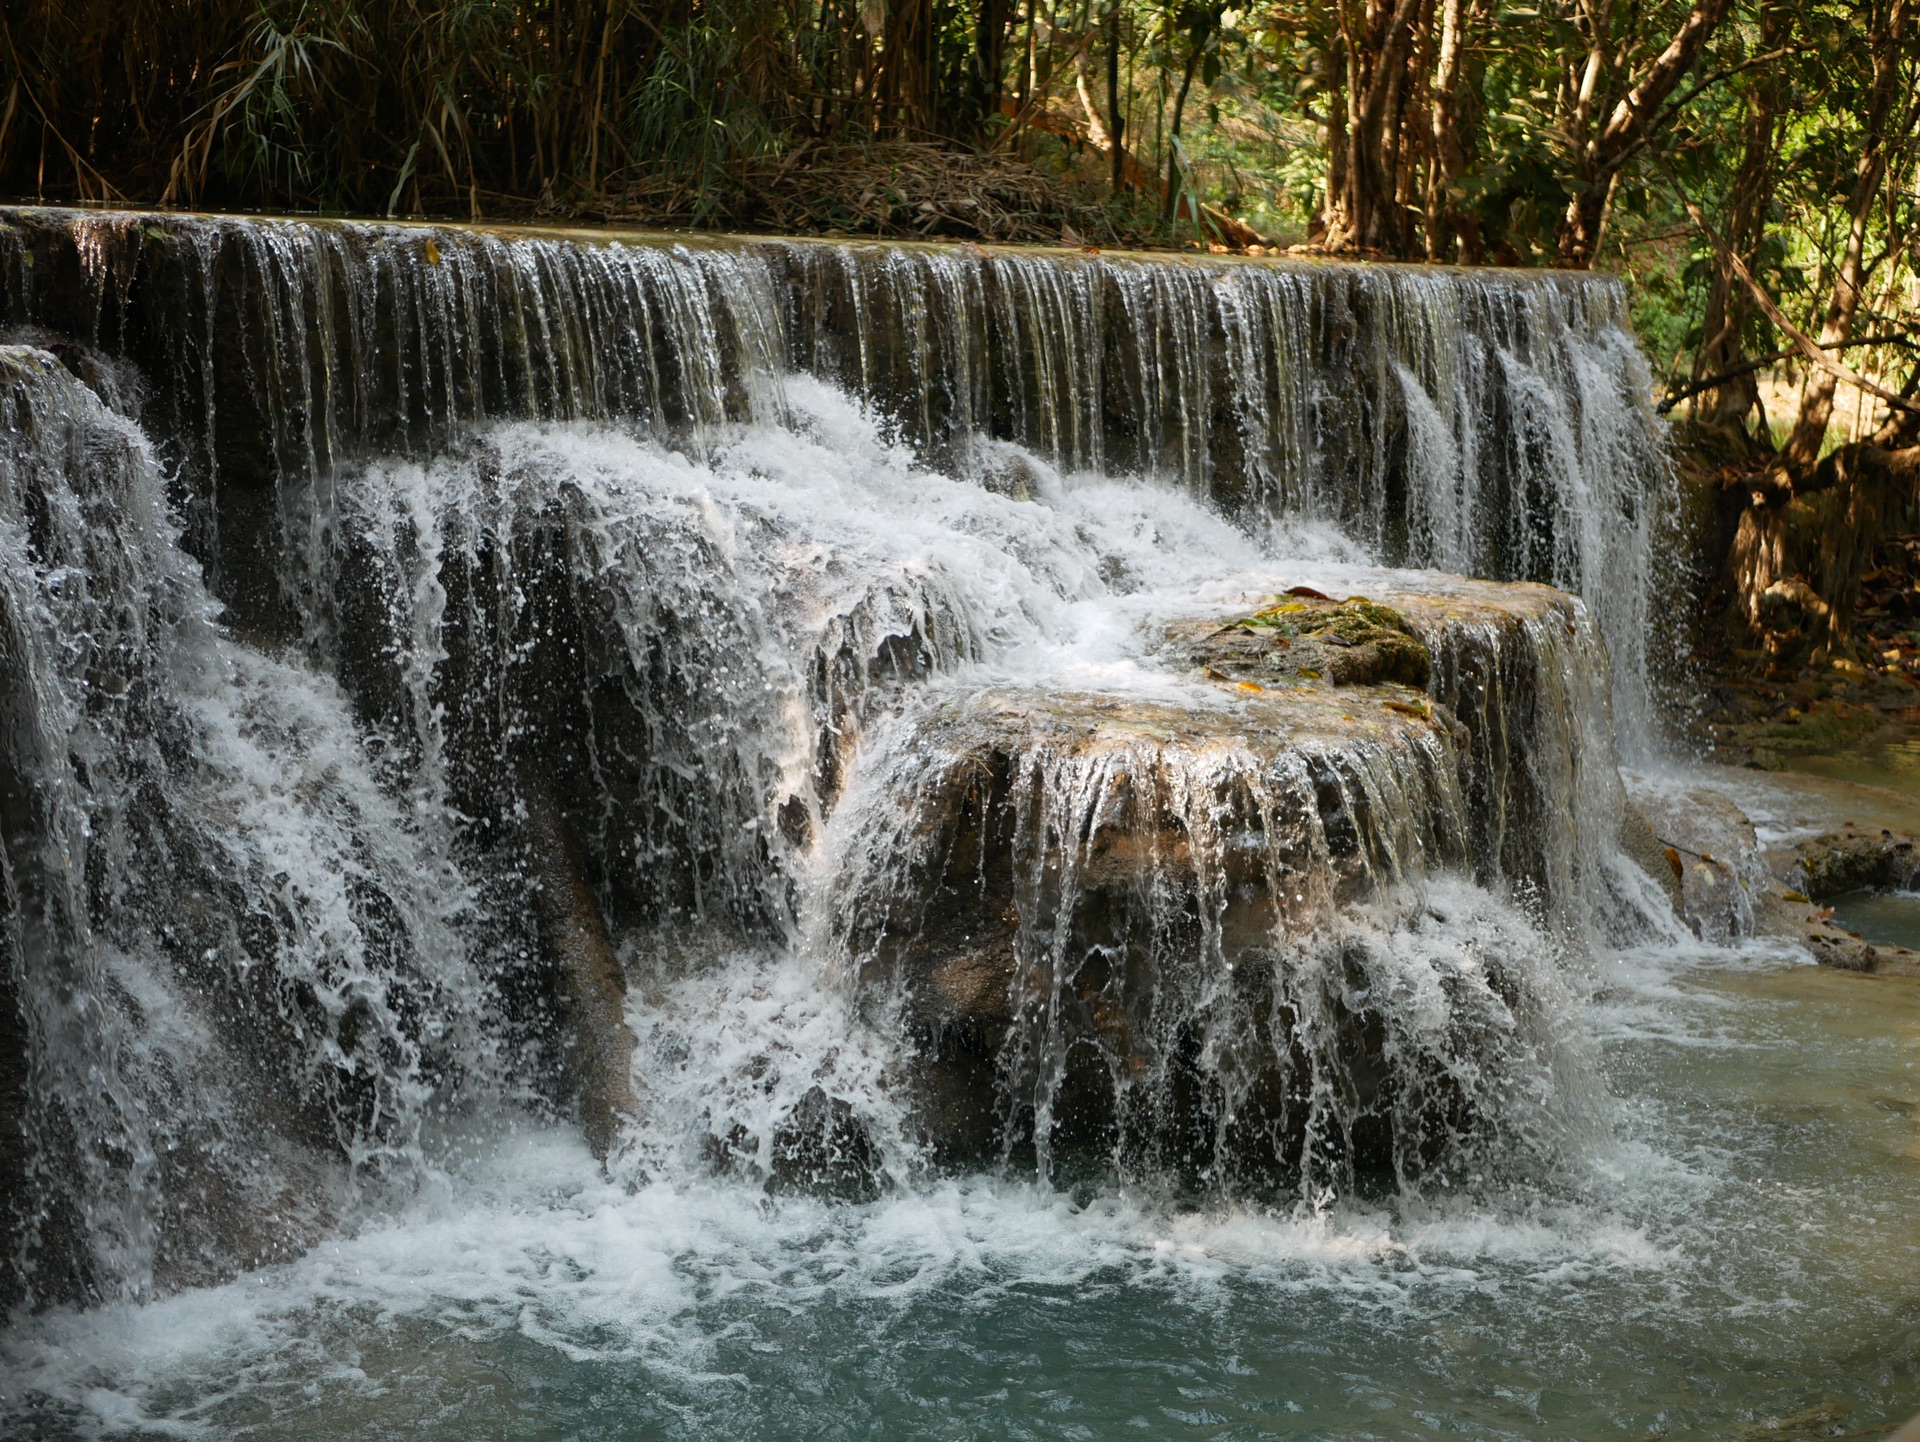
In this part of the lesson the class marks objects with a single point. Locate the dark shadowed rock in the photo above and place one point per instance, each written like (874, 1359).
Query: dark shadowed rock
(590, 989)
(1856, 859)
(824, 1149)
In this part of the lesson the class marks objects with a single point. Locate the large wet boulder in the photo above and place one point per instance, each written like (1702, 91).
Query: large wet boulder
(1708, 850)
(1156, 929)
(1727, 882)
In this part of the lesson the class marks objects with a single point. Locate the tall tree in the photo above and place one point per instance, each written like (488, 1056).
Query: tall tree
(1446, 219)
(1729, 308)
(1889, 120)
(1613, 108)
(1377, 42)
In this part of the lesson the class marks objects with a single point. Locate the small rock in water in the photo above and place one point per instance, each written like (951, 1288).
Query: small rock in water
(824, 1149)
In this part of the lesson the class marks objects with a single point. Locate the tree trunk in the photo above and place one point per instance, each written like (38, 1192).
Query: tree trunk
(1729, 306)
(1799, 551)
(1408, 137)
(1179, 109)
(1600, 153)
(1444, 221)
(1816, 407)
(1331, 217)
(1378, 39)
(989, 65)
(1116, 120)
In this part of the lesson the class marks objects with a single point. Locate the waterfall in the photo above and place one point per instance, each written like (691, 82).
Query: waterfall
(235, 971)
(813, 640)
(1486, 422)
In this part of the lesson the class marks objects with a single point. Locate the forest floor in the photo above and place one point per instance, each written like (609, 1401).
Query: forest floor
(1773, 718)
(898, 190)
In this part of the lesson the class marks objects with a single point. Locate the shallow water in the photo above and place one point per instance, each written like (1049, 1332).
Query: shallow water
(1894, 765)
(1886, 918)
(1742, 1258)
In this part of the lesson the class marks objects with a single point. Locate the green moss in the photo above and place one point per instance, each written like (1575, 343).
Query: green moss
(1817, 732)
(1365, 643)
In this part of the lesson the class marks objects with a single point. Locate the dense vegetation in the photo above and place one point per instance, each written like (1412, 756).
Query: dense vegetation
(1752, 166)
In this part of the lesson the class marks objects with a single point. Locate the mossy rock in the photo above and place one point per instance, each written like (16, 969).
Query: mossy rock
(1856, 859)
(1355, 642)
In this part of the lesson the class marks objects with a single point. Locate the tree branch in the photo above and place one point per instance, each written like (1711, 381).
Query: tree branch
(1748, 368)
(1807, 347)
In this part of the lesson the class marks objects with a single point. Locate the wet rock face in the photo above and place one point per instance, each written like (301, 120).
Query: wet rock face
(1643, 846)
(194, 845)
(1725, 884)
(588, 986)
(824, 1149)
(1113, 926)
(684, 679)
(1709, 853)
(1856, 859)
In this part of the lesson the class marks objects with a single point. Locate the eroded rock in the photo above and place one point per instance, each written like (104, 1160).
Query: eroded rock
(1124, 926)
(1726, 885)
(1855, 859)
(589, 986)
(1709, 852)
(1305, 635)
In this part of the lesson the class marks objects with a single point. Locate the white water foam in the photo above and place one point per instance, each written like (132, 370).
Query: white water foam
(531, 1252)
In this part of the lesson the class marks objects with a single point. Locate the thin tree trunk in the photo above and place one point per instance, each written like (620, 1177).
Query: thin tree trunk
(1179, 108)
(1449, 164)
(1816, 407)
(1728, 304)
(1339, 149)
(1116, 122)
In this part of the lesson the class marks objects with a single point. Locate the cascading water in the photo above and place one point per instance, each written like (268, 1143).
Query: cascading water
(677, 660)
(1488, 423)
(871, 740)
(221, 925)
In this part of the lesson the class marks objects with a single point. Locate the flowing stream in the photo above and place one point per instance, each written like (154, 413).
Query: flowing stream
(608, 838)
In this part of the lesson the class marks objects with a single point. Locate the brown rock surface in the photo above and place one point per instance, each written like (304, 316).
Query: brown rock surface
(1080, 876)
